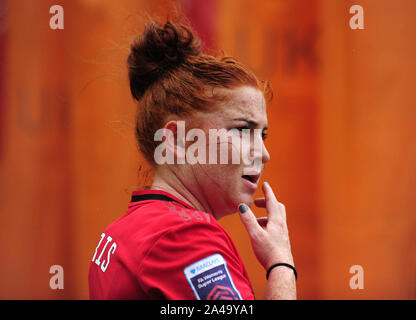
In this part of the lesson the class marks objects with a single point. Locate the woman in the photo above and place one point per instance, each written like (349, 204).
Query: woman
(169, 244)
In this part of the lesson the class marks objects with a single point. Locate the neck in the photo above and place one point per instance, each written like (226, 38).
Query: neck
(167, 180)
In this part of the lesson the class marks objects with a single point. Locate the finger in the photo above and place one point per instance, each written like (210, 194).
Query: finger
(260, 202)
(262, 221)
(272, 205)
(249, 219)
(268, 192)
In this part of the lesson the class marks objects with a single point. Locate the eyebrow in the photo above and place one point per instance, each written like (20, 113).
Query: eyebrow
(251, 123)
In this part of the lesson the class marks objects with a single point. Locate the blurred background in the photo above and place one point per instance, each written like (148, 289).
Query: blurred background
(341, 136)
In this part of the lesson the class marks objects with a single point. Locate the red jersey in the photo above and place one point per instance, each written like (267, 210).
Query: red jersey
(162, 248)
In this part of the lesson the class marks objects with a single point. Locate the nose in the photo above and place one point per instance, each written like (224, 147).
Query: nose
(265, 154)
(255, 149)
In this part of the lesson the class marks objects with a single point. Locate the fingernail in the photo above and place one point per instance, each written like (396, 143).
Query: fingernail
(242, 207)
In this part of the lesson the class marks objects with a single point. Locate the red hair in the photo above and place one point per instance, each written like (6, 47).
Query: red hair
(169, 75)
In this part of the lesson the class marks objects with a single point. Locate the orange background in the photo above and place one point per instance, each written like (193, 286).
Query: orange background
(341, 136)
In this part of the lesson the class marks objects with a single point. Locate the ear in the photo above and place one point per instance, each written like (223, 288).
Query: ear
(177, 144)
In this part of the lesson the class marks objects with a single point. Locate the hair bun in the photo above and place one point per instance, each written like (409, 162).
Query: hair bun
(157, 50)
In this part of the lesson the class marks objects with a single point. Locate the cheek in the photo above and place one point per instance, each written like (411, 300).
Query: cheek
(241, 146)
(232, 158)
(223, 161)
(237, 147)
(223, 176)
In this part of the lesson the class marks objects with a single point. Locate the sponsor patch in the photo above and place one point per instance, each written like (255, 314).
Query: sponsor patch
(210, 280)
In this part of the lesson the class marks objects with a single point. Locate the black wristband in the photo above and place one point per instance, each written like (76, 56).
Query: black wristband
(281, 264)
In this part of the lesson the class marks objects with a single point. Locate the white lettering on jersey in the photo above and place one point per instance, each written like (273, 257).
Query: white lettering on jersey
(104, 264)
(99, 243)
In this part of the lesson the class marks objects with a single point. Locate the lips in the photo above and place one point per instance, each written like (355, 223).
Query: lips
(251, 180)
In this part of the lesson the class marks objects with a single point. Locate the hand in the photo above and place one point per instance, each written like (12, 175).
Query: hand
(269, 235)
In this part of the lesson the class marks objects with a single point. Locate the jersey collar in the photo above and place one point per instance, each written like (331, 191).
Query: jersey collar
(143, 195)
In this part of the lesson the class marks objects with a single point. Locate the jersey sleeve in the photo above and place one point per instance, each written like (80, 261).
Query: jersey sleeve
(194, 261)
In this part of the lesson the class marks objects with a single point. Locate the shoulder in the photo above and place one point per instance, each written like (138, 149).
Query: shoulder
(185, 215)
(194, 258)
(191, 234)
(163, 216)
(161, 221)
(185, 227)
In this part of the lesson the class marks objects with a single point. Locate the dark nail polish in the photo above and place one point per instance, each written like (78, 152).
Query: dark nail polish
(242, 207)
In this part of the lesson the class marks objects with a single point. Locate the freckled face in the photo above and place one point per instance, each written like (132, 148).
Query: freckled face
(243, 121)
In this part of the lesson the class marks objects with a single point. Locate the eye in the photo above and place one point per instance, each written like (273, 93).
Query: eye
(264, 135)
(241, 128)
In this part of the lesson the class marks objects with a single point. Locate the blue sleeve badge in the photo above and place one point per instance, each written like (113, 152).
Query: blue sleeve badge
(210, 279)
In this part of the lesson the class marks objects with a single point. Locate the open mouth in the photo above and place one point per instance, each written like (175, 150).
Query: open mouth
(251, 178)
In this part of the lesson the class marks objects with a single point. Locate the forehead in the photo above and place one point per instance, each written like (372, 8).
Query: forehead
(244, 102)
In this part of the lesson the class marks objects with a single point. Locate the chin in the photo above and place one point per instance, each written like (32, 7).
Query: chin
(243, 198)
(230, 204)
(247, 199)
